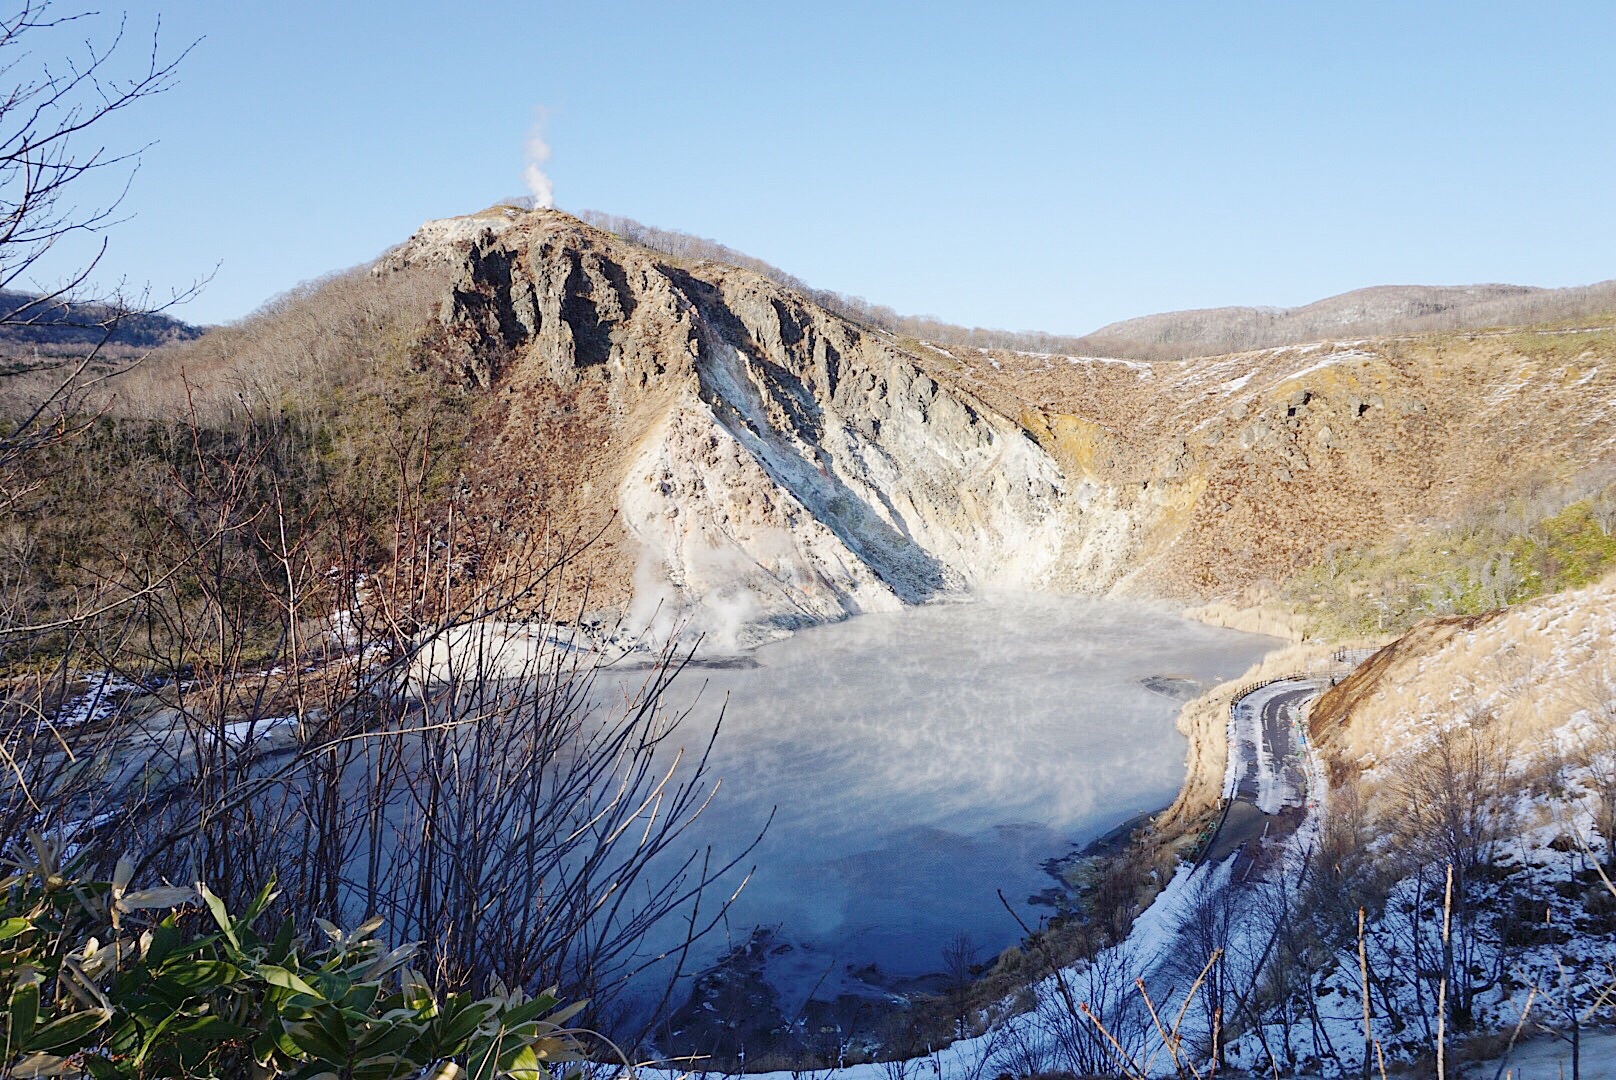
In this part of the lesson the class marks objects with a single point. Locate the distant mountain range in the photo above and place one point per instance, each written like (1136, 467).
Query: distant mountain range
(1374, 312)
(60, 325)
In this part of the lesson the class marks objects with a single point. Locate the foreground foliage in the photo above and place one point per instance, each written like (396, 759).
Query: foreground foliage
(107, 981)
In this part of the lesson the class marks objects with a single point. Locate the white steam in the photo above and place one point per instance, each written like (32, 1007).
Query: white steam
(538, 154)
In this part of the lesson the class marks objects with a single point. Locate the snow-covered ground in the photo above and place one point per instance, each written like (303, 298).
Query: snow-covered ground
(1549, 1058)
(1545, 981)
(104, 693)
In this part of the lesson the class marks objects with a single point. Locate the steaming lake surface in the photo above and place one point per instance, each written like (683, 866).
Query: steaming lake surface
(919, 761)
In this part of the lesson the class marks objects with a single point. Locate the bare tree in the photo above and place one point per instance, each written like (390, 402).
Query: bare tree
(55, 107)
(1597, 751)
(1451, 814)
(58, 103)
(428, 738)
(50, 122)
(959, 960)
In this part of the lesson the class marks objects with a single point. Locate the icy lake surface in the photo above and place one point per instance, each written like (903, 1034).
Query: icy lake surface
(920, 761)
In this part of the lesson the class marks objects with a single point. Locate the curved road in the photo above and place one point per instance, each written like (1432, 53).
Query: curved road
(1266, 784)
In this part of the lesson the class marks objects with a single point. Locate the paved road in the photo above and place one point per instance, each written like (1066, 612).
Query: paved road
(1269, 760)
(1267, 787)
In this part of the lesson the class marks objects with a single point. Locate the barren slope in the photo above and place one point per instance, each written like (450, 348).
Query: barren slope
(738, 449)
(741, 450)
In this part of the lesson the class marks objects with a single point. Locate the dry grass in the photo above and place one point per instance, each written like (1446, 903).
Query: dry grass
(1530, 669)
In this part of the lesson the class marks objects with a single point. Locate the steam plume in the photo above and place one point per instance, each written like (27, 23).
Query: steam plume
(538, 152)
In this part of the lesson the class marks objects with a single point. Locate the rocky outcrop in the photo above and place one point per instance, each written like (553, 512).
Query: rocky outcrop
(775, 466)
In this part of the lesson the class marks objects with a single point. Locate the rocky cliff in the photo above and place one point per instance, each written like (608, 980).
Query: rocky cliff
(736, 452)
(767, 463)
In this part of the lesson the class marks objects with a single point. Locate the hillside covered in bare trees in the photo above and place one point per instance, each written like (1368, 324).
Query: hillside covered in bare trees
(1383, 311)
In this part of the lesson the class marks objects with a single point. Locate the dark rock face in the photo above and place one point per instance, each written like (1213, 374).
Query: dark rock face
(560, 303)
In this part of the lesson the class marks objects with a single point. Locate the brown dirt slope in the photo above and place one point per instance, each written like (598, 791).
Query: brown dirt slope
(1259, 463)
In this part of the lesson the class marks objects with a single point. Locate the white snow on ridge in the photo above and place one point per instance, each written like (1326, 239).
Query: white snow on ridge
(1329, 361)
(1204, 373)
(1143, 370)
(1233, 385)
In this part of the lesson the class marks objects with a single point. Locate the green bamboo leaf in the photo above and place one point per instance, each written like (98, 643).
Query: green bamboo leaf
(215, 1029)
(454, 1028)
(165, 939)
(384, 1067)
(265, 897)
(67, 1033)
(522, 1064)
(285, 1043)
(418, 996)
(312, 1039)
(484, 1065)
(100, 1068)
(220, 915)
(387, 1039)
(23, 1011)
(361, 997)
(279, 976)
(281, 947)
(521, 1014)
(152, 1036)
(10, 928)
(190, 976)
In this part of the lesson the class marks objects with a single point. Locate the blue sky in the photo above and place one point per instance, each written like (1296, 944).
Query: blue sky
(1048, 166)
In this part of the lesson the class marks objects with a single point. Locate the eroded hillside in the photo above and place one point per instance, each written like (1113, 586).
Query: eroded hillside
(736, 448)
(733, 446)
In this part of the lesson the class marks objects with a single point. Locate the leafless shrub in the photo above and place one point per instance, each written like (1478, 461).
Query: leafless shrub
(1451, 812)
(365, 736)
(1596, 752)
(296, 354)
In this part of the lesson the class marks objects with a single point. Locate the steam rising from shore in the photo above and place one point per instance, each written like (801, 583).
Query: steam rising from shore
(917, 761)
